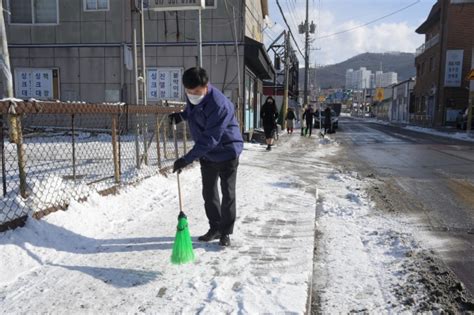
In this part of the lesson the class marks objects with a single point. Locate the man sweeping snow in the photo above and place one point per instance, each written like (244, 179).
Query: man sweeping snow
(217, 145)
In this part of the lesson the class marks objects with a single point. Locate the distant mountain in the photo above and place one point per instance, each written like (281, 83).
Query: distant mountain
(334, 76)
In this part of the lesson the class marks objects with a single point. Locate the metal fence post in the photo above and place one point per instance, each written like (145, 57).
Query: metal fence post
(165, 137)
(145, 134)
(115, 149)
(4, 175)
(185, 138)
(158, 151)
(137, 145)
(73, 130)
(17, 137)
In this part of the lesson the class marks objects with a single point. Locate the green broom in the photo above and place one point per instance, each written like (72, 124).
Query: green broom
(183, 246)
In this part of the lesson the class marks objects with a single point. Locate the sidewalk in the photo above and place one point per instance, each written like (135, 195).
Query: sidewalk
(111, 254)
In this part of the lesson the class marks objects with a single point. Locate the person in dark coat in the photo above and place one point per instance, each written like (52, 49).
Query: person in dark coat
(217, 145)
(308, 117)
(269, 115)
(327, 120)
(290, 117)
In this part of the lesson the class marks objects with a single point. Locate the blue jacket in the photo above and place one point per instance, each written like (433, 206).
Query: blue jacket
(214, 128)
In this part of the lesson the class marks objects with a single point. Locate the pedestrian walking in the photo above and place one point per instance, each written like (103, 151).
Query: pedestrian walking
(308, 118)
(327, 120)
(269, 115)
(290, 117)
(217, 145)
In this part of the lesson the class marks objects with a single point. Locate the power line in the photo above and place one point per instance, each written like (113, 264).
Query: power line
(370, 22)
(289, 29)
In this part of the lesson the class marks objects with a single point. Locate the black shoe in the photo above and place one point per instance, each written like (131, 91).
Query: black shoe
(209, 236)
(224, 240)
(269, 147)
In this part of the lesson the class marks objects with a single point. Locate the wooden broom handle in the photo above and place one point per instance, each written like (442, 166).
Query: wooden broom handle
(177, 173)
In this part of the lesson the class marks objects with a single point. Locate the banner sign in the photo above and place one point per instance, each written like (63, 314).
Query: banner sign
(34, 83)
(453, 69)
(175, 5)
(164, 83)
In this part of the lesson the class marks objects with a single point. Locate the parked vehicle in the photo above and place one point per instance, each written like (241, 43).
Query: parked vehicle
(334, 119)
(336, 107)
(461, 119)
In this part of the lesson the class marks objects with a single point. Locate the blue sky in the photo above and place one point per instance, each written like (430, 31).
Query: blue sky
(394, 33)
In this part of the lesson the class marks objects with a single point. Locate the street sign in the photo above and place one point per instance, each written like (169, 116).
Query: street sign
(379, 94)
(175, 5)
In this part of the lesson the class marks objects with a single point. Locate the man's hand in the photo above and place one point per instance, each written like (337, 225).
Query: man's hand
(175, 117)
(179, 164)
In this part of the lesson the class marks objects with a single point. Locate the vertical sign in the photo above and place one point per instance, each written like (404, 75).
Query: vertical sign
(175, 84)
(164, 83)
(453, 69)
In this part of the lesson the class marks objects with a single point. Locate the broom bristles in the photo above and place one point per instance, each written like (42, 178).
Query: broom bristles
(183, 246)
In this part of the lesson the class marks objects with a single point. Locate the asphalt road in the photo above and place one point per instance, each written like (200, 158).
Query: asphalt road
(428, 179)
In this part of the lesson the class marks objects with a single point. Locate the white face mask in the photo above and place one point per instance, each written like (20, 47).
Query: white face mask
(195, 99)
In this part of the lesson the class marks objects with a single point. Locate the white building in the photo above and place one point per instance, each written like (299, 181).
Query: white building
(385, 79)
(389, 78)
(349, 75)
(358, 79)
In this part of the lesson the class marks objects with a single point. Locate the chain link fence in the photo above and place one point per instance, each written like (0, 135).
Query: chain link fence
(53, 153)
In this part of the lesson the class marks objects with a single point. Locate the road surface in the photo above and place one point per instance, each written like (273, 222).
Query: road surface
(428, 179)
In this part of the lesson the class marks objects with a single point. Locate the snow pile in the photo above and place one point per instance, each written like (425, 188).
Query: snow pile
(368, 260)
(54, 191)
(458, 135)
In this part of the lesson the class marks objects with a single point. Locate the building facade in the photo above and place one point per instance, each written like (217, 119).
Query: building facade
(402, 96)
(358, 79)
(82, 50)
(365, 79)
(442, 62)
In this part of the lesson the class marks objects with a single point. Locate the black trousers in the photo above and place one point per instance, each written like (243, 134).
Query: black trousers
(221, 214)
(309, 125)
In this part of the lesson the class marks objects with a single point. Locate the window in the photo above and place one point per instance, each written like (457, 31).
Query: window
(96, 5)
(211, 4)
(38, 83)
(164, 83)
(33, 11)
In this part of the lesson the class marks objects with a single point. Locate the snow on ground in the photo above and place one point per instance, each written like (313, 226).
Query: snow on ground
(362, 254)
(112, 253)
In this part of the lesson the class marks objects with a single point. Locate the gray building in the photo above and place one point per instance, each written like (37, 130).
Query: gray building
(402, 101)
(82, 50)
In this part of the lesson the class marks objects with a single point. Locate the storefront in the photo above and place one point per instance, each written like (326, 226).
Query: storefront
(258, 67)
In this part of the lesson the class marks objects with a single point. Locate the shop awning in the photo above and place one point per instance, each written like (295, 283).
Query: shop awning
(257, 59)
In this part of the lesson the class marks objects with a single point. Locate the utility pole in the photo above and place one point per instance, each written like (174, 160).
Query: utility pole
(200, 38)
(144, 81)
(306, 56)
(305, 28)
(5, 56)
(284, 108)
